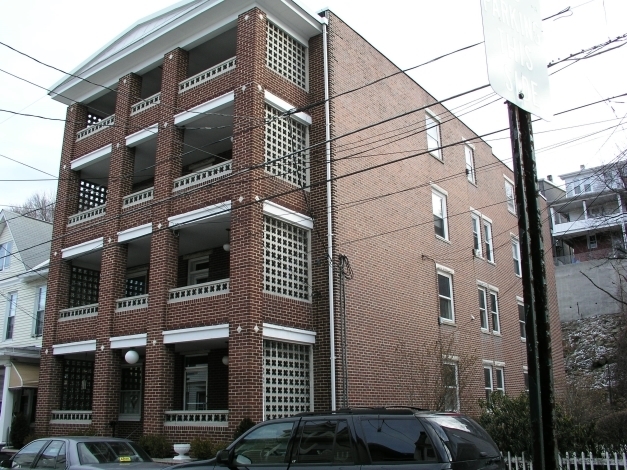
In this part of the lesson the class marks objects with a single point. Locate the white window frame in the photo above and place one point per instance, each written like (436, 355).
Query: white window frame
(469, 154)
(489, 387)
(5, 255)
(494, 311)
(483, 312)
(434, 136)
(132, 416)
(39, 308)
(521, 318)
(510, 195)
(477, 241)
(11, 310)
(194, 274)
(448, 274)
(500, 374)
(593, 242)
(516, 256)
(442, 196)
(449, 387)
(195, 368)
(488, 240)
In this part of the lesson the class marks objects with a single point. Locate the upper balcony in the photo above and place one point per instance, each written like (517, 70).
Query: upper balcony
(100, 115)
(575, 218)
(579, 227)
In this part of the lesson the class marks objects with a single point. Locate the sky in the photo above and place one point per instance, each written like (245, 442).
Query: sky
(409, 32)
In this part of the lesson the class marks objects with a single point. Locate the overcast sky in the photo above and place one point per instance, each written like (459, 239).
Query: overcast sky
(64, 33)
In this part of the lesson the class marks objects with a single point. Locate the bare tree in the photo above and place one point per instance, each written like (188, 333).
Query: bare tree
(37, 206)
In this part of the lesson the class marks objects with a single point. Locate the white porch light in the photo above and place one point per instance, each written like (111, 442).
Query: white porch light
(131, 356)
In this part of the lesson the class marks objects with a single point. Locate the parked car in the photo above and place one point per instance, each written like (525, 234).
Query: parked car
(81, 453)
(373, 438)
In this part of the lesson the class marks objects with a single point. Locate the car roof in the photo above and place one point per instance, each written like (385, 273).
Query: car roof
(85, 439)
(386, 410)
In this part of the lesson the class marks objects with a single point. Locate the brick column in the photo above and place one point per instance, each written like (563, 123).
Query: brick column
(246, 272)
(59, 271)
(159, 365)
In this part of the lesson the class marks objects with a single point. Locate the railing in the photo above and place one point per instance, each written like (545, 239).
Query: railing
(197, 418)
(138, 197)
(106, 122)
(600, 254)
(82, 311)
(203, 176)
(197, 291)
(207, 75)
(131, 303)
(89, 214)
(67, 416)
(572, 461)
(591, 223)
(143, 105)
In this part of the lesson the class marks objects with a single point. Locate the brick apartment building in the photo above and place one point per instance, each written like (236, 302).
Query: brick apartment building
(201, 231)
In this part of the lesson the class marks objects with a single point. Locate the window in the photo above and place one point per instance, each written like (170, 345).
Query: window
(198, 270)
(521, 320)
(130, 393)
(324, 441)
(494, 310)
(196, 383)
(271, 437)
(451, 386)
(53, 456)
(433, 137)
(440, 221)
(483, 309)
(470, 164)
(509, 194)
(77, 387)
(40, 309)
(11, 308)
(489, 247)
(445, 292)
(403, 440)
(592, 241)
(136, 283)
(476, 235)
(500, 379)
(487, 379)
(28, 453)
(516, 256)
(5, 255)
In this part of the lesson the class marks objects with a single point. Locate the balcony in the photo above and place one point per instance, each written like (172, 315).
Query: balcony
(203, 176)
(207, 75)
(131, 303)
(83, 311)
(217, 418)
(199, 291)
(145, 104)
(95, 128)
(579, 227)
(144, 195)
(70, 417)
(87, 215)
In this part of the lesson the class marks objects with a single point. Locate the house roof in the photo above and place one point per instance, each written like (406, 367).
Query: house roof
(184, 24)
(31, 237)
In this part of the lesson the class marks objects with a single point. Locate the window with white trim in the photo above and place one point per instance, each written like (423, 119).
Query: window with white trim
(500, 379)
(40, 308)
(469, 153)
(487, 239)
(130, 393)
(487, 380)
(286, 259)
(494, 312)
(440, 219)
(196, 375)
(286, 379)
(592, 241)
(5, 255)
(445, 293)
(509, 195)
(450, 380)
(433, 136)
(198, 270)
(11, 309)
(476, 235)
(286, 142)
(521, 320)
(285, 55)
(516, 256)
(483, 309)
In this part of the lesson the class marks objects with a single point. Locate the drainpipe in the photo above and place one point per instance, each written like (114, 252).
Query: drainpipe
(329, 213)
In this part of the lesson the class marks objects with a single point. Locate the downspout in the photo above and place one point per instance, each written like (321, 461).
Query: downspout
(329, 207)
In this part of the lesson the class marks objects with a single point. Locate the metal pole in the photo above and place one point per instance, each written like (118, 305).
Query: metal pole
(537, 322)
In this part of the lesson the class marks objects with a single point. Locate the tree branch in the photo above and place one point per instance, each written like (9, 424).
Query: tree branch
(601, 289)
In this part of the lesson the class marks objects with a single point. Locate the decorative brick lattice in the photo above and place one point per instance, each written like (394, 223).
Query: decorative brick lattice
(286, 378)
(135, 286)
(285, 55)
(283, 137)
(91, 195)
(286, 259)
(93, 119)
(78, 380)
(84, 286)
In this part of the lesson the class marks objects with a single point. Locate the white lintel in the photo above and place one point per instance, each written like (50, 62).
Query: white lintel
(82, 248)
(91, 158)
(129, 341)
(142, 136)
(196, 334)
(200, 214)
(285, 333)
(72, 348)
(197, 111)
(134, 232)
(441, 267)
(287, 215)
(284, 106)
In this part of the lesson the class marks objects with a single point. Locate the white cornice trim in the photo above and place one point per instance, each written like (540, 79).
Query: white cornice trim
(197, 111)
(129, 341)
(292, 335)
(284, 106)
(196, 334)
(82, 248)
(200, 214)
(91, 158)
(287, 215)
(135, 232)
(71, 348)
(142, 136)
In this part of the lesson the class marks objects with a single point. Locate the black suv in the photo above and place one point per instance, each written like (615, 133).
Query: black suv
(370, 438)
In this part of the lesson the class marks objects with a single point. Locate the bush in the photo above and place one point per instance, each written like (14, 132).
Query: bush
(156, 445)
(202, 449)
(243, 426)
(612, 431)
(20, 428)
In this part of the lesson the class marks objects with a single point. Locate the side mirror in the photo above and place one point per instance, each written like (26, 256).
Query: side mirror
(6, 463)
(222, 457)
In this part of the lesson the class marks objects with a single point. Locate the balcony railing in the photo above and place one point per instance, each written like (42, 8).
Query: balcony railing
(70, 416)
(143, 105)
(77, 312)
(89, 214)
(207, 75)
(593, 255)
(584, 225)
(203, 176)
(197, 291)
(137, 198)
(197, 418)
(105, 123)
(131, 303)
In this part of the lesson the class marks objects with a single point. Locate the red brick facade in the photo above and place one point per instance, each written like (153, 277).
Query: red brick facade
(382, 224)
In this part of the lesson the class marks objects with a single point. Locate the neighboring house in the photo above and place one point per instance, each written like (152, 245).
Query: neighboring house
(24, 251)
(217, 256)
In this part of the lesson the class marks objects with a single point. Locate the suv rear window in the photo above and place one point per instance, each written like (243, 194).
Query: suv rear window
(464, 438)
(398, 440)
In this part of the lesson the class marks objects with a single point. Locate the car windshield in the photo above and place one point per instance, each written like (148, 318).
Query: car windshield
(110, 452)
(464, 438)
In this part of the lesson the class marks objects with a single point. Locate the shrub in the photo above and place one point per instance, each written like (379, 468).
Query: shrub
(243, 426)
(156, 445)
(20, 428)
(202, 449)
(612, 431)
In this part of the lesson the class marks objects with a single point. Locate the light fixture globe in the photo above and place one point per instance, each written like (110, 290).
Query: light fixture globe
(131, 356)
(225, 360)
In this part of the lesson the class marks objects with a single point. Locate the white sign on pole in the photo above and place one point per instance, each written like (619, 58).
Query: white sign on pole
(517, 70)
